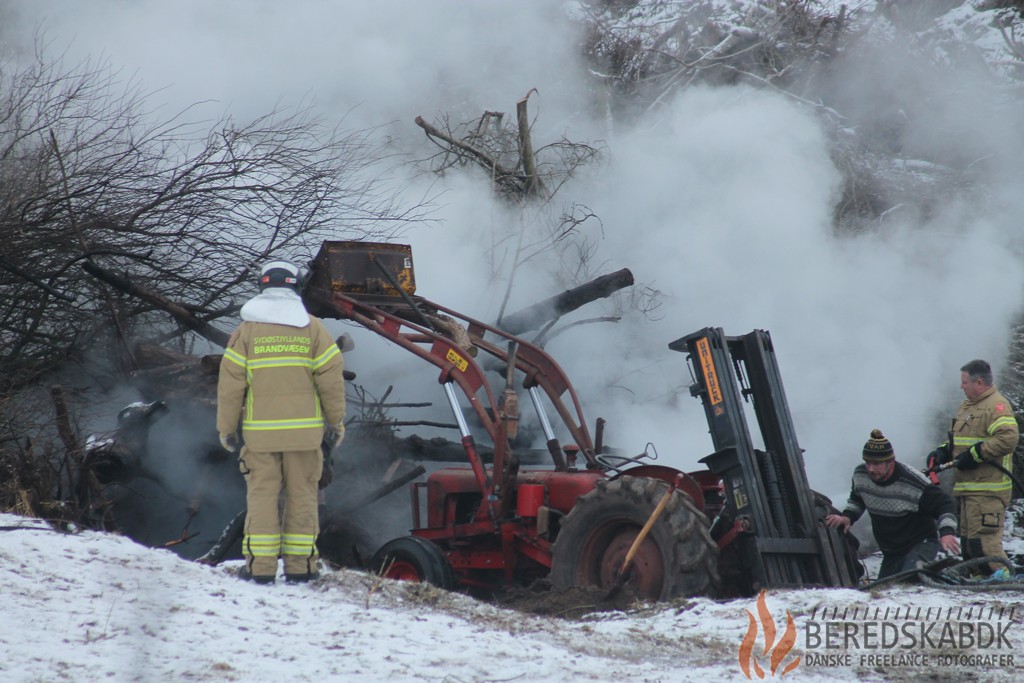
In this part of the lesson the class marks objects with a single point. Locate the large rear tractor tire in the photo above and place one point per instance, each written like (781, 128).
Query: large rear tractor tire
(411, 558)
(677, 559)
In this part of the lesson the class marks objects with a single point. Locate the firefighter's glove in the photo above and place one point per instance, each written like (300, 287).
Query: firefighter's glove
(230, 442)
(966, 460)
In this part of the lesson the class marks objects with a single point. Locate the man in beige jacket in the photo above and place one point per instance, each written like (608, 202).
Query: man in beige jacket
(281, 379)
(985, 435)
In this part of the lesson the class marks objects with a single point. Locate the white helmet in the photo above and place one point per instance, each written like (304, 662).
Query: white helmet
(280, 274)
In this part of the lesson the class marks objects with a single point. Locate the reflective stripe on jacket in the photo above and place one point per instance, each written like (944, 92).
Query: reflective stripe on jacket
(283, 383)
(988, 420)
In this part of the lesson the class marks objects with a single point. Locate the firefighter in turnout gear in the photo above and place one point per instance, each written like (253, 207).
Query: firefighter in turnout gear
(281, 379)
(984, 434)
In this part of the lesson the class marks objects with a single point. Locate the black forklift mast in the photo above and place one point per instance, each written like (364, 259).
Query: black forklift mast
(777, 529)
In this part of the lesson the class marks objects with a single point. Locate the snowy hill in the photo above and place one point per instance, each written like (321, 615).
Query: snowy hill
(94, 607)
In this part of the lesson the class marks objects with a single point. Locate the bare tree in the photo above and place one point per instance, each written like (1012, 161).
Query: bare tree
(89, 176)
(101, 200)
(529, 178)
(505, 152)
(644, 59)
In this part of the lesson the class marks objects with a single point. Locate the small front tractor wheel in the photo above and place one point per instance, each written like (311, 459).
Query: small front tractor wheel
(677, 559)
(411, 558)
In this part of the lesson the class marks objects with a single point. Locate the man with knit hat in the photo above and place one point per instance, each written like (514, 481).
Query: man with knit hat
(911, 518)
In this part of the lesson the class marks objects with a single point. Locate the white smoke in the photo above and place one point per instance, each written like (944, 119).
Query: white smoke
(723, 200)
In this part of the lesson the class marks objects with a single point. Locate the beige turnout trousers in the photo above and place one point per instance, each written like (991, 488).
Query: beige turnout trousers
(271, 532)
(981, 527)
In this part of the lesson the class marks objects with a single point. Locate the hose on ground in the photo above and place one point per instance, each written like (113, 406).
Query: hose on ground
(955, 576)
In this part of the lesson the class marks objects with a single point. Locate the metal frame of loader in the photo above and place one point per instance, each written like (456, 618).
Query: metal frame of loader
(489, 527)
(494, 532)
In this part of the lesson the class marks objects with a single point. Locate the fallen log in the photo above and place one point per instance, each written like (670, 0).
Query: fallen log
(179, 312)
(535, 316)
(174, 376)
(232, 532)
(171, 375)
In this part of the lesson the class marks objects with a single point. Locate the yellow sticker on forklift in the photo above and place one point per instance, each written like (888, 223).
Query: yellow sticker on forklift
(740, 497)
(707, 366)
(457, 360)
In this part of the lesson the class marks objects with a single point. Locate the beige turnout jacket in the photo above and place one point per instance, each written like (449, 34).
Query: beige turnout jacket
(283, 383)
(988, 419)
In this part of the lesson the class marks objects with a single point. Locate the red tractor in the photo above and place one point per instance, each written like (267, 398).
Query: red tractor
(748, 521)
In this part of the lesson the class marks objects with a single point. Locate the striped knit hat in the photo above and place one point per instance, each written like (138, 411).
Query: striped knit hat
(878, 448)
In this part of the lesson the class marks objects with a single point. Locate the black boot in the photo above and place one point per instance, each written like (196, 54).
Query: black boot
(301, 578)
(245, 575)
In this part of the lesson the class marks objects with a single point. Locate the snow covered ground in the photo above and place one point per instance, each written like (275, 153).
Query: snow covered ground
(98, 607)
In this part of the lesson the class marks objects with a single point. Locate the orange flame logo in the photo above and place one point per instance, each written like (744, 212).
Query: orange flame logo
(747, 657)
